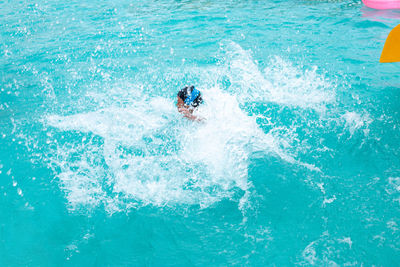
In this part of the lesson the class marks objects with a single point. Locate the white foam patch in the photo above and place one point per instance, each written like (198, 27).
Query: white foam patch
(151, 155)
(280, 82)
(141, 151)
(355, 121)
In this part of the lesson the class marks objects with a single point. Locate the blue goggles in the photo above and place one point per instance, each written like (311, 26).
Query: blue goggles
(193, 95)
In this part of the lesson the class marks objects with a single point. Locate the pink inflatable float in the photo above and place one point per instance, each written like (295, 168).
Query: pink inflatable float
(382, 4)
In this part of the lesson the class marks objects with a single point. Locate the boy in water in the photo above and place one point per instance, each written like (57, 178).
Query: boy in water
(189, 98)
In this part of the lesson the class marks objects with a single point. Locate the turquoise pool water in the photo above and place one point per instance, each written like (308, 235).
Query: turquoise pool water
(298, 162)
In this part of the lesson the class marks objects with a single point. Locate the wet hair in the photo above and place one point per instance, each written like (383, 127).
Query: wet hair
(191, 96)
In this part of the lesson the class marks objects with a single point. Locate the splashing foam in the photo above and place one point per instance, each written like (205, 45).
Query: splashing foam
(149, 155)
(355, 121)
(280, 82)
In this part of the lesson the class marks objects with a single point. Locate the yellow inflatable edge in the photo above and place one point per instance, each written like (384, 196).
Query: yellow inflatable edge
(391, 49)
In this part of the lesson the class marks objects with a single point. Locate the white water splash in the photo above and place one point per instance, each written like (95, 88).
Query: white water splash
(142, 152)
(280, 82)
(150, 155)
(355, 121)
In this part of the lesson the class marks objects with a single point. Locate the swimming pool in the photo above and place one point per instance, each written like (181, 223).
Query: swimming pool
(298, 162)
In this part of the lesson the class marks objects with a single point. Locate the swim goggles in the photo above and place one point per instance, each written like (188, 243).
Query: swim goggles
(193, 95)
